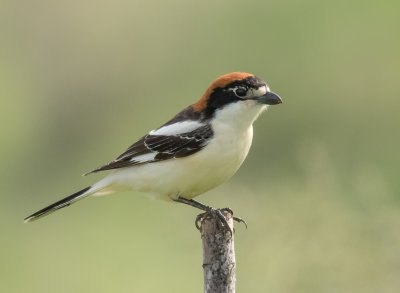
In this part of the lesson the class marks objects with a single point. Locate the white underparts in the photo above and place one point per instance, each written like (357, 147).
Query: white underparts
(195, 174)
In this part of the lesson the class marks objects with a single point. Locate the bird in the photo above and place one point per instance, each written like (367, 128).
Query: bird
(198, 149)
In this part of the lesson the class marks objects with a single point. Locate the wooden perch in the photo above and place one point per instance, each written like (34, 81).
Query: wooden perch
(219, 262)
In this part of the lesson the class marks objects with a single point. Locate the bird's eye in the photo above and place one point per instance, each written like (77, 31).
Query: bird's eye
(241, 91)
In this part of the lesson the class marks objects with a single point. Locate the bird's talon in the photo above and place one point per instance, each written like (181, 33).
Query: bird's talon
(199, 219)
(240, 220)
(237, 219)
(216, 213)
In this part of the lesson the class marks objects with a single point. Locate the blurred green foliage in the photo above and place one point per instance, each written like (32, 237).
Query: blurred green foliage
(81, 80)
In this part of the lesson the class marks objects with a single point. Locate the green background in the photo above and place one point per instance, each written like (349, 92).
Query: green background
(82, 80)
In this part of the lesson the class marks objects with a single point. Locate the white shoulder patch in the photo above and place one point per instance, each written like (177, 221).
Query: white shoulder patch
(144, 158)
(177, 128)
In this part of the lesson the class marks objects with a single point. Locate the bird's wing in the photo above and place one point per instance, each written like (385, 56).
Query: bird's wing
(175, 140)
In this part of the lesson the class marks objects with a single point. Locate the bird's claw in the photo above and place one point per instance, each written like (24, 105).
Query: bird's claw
(217, 213)
(237, 219)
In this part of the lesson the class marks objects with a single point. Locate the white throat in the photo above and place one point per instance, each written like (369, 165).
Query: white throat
(240, 115)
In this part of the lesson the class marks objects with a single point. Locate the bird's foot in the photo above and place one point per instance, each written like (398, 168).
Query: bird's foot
(237, 219)
(221, 219)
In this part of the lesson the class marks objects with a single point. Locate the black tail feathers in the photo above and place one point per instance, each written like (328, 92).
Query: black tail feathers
(57, 205)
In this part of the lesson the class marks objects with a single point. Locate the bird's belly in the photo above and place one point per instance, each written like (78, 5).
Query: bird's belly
(189, 176)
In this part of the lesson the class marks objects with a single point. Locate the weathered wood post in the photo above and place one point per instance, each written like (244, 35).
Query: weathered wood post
(219, 262)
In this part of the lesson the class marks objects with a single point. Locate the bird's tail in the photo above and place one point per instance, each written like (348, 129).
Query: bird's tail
(62, 203)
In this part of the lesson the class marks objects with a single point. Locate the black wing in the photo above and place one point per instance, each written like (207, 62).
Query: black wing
(154, 148)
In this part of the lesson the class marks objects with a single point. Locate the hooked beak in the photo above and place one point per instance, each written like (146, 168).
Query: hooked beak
(270, 98)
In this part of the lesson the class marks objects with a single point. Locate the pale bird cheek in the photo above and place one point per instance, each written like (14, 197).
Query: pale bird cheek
(260, 91)
(249, 103)
(252, 104)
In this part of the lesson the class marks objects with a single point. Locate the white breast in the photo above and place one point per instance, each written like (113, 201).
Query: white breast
(202, 171)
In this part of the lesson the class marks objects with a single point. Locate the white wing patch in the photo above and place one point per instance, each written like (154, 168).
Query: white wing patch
(177, 128)
(144, 158)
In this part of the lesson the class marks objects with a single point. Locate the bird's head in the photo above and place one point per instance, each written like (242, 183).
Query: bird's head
(236, 95)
